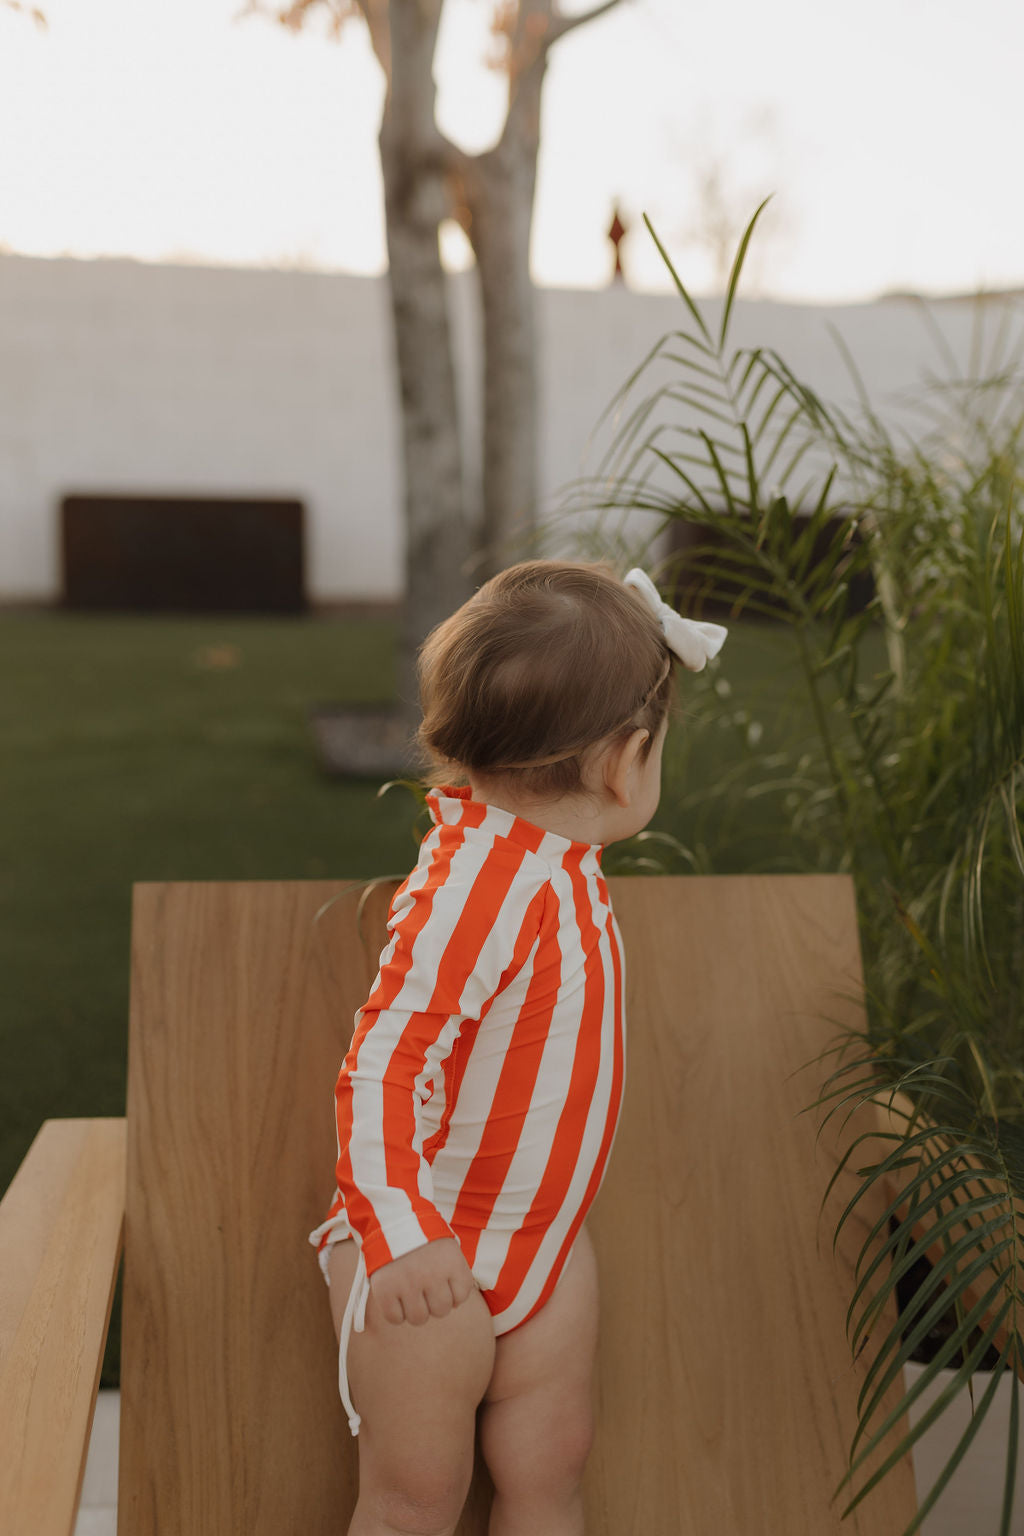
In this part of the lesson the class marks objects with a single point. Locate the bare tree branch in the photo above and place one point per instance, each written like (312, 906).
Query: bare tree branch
(293, 14)
(527, 29)
(375, 14)
(27, 10)
(563, 24)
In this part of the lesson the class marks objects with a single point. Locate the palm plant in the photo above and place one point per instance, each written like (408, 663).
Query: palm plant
(913, 782)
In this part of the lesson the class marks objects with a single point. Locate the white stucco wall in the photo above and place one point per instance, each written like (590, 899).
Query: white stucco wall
(117, 376)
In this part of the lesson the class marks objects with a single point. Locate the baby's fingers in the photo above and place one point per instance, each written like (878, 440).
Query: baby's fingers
(438, 1298)
(417, 1308)
(391, 1307)
(462, 1285)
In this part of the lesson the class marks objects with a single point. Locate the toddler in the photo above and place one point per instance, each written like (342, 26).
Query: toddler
(477, 1105)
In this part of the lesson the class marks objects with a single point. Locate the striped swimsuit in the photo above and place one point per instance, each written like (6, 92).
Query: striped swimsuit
(481, 1092)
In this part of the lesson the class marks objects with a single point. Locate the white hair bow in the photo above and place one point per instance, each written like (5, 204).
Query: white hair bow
(692, 640)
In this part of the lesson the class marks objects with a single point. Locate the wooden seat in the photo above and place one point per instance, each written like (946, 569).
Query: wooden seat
(727, 1396)
(61, 1222)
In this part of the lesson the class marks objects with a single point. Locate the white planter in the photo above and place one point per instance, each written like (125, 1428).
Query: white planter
(970, 1504)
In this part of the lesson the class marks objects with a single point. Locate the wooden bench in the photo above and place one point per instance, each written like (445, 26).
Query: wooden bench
(727, 1393)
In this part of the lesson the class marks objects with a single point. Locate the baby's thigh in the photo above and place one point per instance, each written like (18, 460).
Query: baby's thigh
(538, 1411)
(416, 1389)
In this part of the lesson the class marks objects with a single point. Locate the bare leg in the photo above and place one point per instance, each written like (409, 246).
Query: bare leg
(536, 1426)
(417, 1391)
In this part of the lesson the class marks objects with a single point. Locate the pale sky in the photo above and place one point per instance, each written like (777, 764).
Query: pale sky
(890, 132)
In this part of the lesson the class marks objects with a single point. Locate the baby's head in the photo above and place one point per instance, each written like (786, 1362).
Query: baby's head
(544, 662)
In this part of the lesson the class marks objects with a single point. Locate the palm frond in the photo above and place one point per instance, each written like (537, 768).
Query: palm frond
(914, 781)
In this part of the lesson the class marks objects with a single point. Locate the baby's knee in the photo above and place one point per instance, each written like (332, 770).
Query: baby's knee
(534, 1455)
(567, 1448)
(415, 1510)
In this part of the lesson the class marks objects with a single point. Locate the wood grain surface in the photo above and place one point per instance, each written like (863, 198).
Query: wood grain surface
(727, 1392)
(61, 1223)
(726, 1389)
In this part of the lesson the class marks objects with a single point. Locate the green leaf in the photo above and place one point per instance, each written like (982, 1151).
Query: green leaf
(680, 288)
(944, 1353)
(957, 1340)
(737, 268)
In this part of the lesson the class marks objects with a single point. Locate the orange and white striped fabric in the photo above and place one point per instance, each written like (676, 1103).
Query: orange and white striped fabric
(481, 1093)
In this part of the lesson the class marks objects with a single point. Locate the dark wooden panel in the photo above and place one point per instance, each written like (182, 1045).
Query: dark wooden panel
(183, 554)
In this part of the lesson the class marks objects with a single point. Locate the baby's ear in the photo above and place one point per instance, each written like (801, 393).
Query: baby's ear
(619, 761)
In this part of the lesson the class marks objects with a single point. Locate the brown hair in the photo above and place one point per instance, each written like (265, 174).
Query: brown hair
(545, 660)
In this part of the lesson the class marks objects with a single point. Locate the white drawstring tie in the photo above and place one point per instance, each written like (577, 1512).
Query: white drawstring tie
(355, 1317)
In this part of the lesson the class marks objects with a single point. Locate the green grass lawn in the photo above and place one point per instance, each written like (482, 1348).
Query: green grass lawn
(125, 758)
(125, 755)
(128, 754)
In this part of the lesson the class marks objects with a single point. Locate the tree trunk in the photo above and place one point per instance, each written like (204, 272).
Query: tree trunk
(438, 541)
(501, 188)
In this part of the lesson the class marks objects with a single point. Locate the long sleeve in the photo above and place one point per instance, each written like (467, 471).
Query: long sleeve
(460, 929)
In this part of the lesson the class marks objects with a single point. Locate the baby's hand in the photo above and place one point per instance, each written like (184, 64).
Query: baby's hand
(428, 1282)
